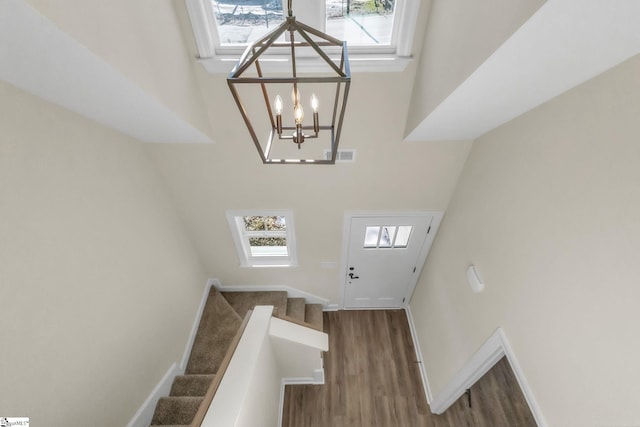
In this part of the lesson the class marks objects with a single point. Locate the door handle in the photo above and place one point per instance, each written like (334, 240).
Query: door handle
(353, 276)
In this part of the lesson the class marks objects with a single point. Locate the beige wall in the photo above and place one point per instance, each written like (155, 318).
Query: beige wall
(388, 175)
(143, 40)
(548, 209)
(460, 36)
(98, 283)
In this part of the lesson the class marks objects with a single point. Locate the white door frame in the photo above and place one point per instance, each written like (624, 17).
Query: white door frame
(422, 257)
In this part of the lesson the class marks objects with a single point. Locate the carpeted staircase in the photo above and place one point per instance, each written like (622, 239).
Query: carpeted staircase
(221, 319)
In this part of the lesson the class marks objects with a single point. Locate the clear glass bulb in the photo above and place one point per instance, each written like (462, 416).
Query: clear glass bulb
(278, 104)
(314, 103)
(298, 114)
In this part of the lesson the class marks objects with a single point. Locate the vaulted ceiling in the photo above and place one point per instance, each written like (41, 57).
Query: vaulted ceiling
(132, 66)
(563, 44)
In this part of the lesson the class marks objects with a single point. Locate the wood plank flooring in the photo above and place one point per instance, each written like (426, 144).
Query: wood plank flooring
(372, 380)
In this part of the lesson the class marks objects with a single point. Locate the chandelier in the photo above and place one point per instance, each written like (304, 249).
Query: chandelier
(276, 121)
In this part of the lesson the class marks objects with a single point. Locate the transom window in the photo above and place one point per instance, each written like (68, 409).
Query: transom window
(360, 22)
(263, 238)
(379, 33)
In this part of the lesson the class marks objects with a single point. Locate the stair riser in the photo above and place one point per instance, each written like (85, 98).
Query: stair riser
(176, 410)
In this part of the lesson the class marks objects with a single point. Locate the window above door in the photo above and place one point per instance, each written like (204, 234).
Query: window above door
(379, 33)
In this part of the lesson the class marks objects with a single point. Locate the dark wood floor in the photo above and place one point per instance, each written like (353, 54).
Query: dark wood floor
(372, 380)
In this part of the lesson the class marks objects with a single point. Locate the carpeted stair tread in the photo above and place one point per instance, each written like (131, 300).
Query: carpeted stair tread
(191, 385)
(313, 316)
(218, 326)
(176, 410)
(245, 301)
(295, 308)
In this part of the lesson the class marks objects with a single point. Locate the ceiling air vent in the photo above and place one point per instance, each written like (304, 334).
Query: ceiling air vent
(344, 156)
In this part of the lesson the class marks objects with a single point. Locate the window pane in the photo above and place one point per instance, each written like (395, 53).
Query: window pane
(253, 223)
(268, 241)
(262, 223)
(361, 22)
(371, 237)
(263, 238)
(270, 251)
(243, 21)
(387, 235)
(402, 238)
(275, 223)
(268, 246)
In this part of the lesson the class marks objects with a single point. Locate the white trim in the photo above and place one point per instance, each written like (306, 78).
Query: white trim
(436, 219)
(522, 380)
(480, 363)
(371, 308)
(201, 24)
(239, 234)
(221, 59)
(408, 21)
(294, 381)
(214, 281)
(358, 63)
(420, 359)
(196, 323)
(496, 346)
(422, 256)
(292, 292)
(143, 416)
(302, 381)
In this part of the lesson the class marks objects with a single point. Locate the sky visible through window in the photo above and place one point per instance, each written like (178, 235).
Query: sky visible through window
(360, 22)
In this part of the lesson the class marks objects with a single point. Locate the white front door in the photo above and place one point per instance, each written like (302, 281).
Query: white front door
(385, 257)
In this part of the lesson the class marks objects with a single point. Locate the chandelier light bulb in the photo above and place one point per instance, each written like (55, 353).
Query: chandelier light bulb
(314, 103)
(298, 114)
(278, 104)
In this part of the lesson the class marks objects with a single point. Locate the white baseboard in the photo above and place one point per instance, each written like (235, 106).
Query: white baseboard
(496, 347)
(143, 416)
(487, 355)
(522, 381)
(196, 323)
(292, 292)
(214, 282)
(331, 307)
(301, 381)
(419, 359)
